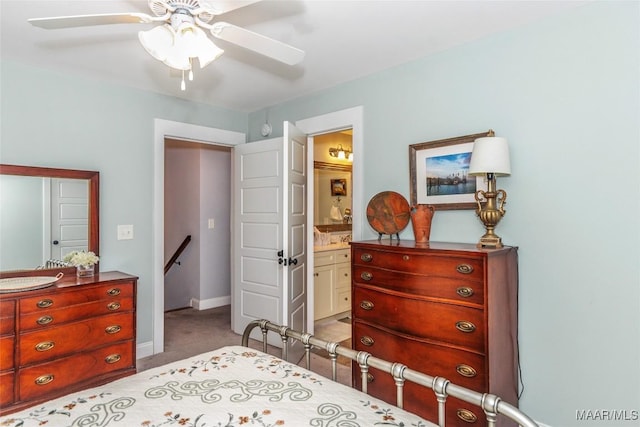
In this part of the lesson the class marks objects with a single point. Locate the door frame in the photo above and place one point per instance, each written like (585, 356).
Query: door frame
(186, 132)
(350, 118)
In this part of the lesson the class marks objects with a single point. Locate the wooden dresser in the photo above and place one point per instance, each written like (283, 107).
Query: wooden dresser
(445, 309)
(74, 335)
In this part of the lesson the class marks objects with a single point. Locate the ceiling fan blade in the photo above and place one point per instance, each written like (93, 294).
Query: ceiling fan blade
(258, 43)
(89, 20)
(218, 7)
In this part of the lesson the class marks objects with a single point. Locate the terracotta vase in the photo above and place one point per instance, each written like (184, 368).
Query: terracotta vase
(421, 216)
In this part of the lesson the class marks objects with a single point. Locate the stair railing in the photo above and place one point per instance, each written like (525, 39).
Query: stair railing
(177, 254)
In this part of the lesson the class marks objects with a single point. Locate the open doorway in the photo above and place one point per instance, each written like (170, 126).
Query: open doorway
(197, 194)
(332, 218)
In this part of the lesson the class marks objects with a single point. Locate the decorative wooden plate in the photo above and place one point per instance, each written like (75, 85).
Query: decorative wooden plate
(19, 284)
(388, 212)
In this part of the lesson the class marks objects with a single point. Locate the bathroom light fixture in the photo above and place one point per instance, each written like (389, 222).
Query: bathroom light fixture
(341, 153)
(490, 157)
(178, 43)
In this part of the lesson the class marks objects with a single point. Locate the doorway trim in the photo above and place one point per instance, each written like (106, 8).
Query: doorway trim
(326, 123)
(187, 132)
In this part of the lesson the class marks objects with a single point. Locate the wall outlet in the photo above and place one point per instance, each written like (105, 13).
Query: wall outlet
(125, 232)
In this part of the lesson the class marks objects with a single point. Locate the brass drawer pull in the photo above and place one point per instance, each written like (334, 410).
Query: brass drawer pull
(45, 346)
(44, 320)
(366, 340)
(44, 303)
(113, 329)
(406, 257)
(464, 268)
(464, 291)
(366, 257)
(44, 379)
(466, 416)
(366, 305)
(113, 292)
(113, 306)
(365, 275)
(112, 358)
(464, 326)
(466, 371)
(370, 377)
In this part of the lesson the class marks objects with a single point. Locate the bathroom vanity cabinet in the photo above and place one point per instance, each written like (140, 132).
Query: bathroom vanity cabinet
(332, 281)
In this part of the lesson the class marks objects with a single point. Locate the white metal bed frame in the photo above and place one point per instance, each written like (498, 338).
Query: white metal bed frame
(491, 404)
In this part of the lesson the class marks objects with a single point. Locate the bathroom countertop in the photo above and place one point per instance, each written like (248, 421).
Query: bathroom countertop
(332, 247)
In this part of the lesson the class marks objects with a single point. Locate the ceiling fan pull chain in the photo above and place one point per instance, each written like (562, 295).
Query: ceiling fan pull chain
(190, 69)
(183, 86)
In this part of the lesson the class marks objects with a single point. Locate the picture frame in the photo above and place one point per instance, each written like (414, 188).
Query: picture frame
(438, 176)
(338, 187)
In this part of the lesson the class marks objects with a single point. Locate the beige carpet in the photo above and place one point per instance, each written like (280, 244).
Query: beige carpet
(189, 332)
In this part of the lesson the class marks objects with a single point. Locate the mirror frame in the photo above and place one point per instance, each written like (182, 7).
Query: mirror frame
(94, 216)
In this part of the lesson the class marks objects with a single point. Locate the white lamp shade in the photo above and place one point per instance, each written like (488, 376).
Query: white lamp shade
(490, 155)
(158, 41)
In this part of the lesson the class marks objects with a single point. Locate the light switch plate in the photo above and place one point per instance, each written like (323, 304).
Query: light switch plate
(211, 223)
(125, 232)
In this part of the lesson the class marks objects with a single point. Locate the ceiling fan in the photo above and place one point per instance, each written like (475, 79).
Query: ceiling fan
(181, 38)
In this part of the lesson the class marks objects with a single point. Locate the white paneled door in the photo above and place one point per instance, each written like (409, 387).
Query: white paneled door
(269, 233)
(69, 216)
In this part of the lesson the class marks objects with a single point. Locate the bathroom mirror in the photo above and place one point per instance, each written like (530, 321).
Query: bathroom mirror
(44, 214)
(331, 201)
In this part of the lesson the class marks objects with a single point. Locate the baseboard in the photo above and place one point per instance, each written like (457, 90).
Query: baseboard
(144, 350)
(210, 303)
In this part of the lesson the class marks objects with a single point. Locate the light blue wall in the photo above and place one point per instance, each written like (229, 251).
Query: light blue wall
(566, 93)
(69, 122)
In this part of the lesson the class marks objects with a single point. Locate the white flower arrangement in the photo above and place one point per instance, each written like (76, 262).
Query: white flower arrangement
(85, 259)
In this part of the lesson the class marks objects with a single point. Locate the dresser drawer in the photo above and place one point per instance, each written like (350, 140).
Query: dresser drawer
(464, 368)
(48, 317)
(419, 401)
(6, 387)
(7, 317)
(39, 380)
(453, 289)
(74, 296)
(39, 346)
(6, 352)
(406, 314)
(430, 264)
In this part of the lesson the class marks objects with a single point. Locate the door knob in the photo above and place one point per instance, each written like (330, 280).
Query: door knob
(292, 261)
(55, 242)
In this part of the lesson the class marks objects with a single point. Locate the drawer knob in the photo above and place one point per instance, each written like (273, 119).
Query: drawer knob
(466, 371)
(464, 291)
(114, 329)
(464, 269)
(45, 346)
(112, 358)
(406, 257)
(44, 303)
(464, 326)
(366, 305)
(370, 377)
(366, 340)
(44, 320)
(113, 306)
(466, 415)
(365, 275)
(44, 379)
(113, 292)
(366, 257)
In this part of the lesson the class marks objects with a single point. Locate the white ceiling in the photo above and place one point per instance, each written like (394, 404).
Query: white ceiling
(343, 40)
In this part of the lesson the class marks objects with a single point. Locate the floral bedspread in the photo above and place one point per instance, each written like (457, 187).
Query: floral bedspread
(231, 386)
